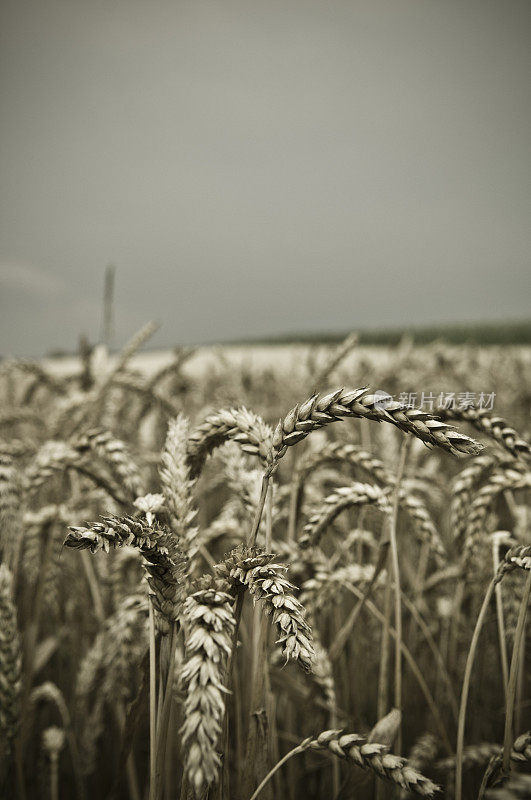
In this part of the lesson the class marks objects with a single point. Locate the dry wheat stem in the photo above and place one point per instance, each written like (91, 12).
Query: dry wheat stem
(413, 667)
(519, 639)
(518, 557)
(497, 539)
(465, 689)
(337, 356)
(396, 583)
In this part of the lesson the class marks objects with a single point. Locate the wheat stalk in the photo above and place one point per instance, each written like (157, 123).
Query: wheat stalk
(517, 558)
(337, 356)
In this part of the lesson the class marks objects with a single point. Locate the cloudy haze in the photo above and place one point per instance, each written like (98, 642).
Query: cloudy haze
(256, 168)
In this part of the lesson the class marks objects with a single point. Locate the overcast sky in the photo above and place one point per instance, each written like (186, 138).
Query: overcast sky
(262, 167)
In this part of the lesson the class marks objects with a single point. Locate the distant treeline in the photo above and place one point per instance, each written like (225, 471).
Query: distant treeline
(495, 333)
(481, 334)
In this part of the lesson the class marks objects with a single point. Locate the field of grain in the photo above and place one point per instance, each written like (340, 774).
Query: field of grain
(284, 572)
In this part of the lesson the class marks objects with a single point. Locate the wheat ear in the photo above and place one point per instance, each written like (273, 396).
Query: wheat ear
(178, 486)
(373, 757)
(356, 457)
(344, 497)
(496, 427)
(115, 452)
(240, 425)
(208, 629)
(510, 477)
(252, 568)
(518, 787)
(164, 563)
(10, 664)
(318, 411)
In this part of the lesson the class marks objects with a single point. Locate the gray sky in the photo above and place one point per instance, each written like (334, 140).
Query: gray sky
(261, 167)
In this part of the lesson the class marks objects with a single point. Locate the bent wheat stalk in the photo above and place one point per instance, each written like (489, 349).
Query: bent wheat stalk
(517, 557)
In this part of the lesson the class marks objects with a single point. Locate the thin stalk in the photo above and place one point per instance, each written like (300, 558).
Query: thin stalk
(238, 723)
(432, 644)
(499, 615)
(293, 508)
(94, 587)
(344, 632)
(256, 756)
(294, 752)
(251, 540)
(223, 787)
(269, 519)
(162, 733)
(257, 749)
(97, 600)
(54, 776)
(383, 676)
(152, 702)
(415, 669)
(420, 578)
(404, 450)
(294, 497)
(513, 674)
(464, 691)
(130, 770)
(519, 691)
(258, 515)
(455, 621)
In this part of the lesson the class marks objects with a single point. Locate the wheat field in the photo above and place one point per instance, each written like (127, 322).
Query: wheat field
(209, 589)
